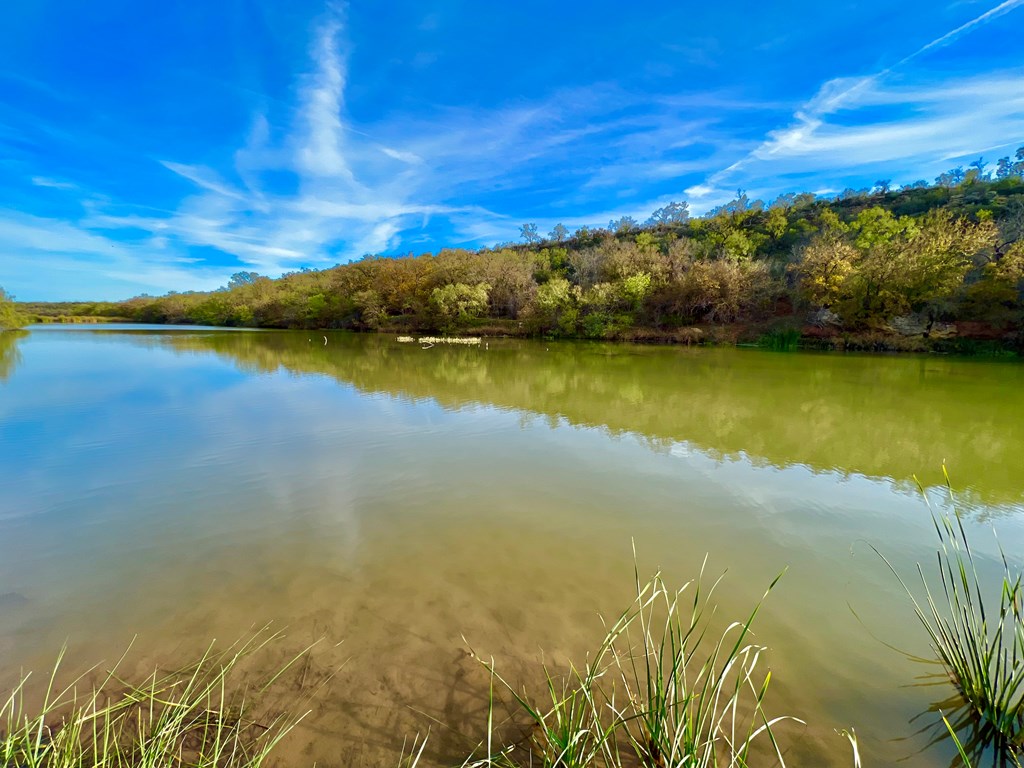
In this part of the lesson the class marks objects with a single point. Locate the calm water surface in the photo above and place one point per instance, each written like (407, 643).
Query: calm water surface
(185, 484)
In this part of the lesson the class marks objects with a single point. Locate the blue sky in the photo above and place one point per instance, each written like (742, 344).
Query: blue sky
(154, 147)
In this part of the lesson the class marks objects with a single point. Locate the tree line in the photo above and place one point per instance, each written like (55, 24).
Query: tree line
(924, 259)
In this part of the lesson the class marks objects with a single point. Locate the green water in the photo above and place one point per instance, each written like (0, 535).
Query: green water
(183, 485)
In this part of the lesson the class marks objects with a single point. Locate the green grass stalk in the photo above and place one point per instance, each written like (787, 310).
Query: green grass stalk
(659, 686)
(196, 717)
(978, 641)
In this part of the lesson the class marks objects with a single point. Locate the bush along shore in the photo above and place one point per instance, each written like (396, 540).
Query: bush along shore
(11, 317)
(662, 689)
(926, 267)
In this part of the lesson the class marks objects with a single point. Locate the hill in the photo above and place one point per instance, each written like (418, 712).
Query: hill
(911, 268)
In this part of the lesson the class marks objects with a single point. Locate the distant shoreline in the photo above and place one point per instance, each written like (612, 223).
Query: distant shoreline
(969, 339)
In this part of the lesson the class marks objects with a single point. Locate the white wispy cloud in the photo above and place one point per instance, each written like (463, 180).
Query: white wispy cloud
(321, 142)
(331, 215)
(1000, 10)
(309, 185)
(44, 181)
(357, 188)
(406, 157)
(938, 120)
(203, 178)
(925, 128)
(51, 257)
(946, 119)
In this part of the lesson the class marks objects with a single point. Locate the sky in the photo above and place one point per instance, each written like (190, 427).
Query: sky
(155, 147)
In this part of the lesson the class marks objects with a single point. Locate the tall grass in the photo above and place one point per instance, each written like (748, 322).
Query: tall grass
(661, 691)
(666, 687)
(196, 717)
(977, 634)
(781, 339)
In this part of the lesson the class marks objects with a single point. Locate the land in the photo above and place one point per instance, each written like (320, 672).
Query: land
(924, 268)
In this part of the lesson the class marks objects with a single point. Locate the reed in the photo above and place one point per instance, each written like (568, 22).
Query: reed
(781, 339)
(660, 691)
(196, 717)
(664, 688)
(976, 630)
(692, 699)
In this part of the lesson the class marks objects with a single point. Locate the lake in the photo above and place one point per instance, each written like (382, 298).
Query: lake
(177, 485)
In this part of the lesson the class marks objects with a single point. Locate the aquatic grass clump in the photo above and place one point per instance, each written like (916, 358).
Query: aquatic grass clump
(196, 717)
(691, 700)
(781, 339)
(977, 635)
(566, 726)
(660, 691)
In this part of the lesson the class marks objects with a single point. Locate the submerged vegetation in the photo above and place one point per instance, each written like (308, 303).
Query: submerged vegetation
(661, 690)
(667, 687)
(658, 692)
(876, 268)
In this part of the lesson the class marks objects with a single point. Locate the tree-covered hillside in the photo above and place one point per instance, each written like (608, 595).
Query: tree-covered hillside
(929, 261)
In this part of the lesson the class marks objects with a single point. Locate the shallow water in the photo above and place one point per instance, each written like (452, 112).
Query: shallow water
(183, 485)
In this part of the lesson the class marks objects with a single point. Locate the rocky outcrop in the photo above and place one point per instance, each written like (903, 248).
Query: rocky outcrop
(919, 325)
(825, 318)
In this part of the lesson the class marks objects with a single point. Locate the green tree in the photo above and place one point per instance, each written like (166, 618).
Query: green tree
(548, 263)
(998, 295)
(215, 309)
(316, 310)
(910, 266)
(876, 226)
(635, 289)
(825, 266)
(556, 307)
(646, 242)
(11, 317)
(928, 250)
(777, 222)
(457, 304)
(244, 278)
(371, 309)
(739, 205)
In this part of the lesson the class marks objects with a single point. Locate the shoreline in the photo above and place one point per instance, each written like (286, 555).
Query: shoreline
(969, 341)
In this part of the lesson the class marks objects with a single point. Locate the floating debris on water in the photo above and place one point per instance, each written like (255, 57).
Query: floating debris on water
(432, 340)
(449, 340)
